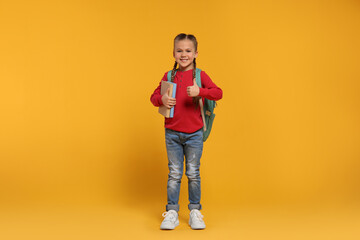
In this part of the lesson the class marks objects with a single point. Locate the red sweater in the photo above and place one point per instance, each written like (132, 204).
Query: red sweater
(187, 117)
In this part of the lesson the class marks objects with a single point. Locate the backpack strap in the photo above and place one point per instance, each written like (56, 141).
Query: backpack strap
(198, 82)
(197, 76)
(202, 113)
(169, 75)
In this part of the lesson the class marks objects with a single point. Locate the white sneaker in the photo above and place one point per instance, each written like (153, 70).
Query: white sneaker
(170, 220)
(196, 220)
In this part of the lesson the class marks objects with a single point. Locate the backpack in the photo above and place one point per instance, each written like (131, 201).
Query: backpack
(207, 108)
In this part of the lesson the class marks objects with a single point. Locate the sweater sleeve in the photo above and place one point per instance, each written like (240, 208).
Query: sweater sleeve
(156, 96)
(209, 89)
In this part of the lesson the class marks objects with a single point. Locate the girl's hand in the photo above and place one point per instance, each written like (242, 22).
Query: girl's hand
(193, 90)
(168, 101)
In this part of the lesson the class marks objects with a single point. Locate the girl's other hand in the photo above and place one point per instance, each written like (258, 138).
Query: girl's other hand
(168, 101)
(193, 90)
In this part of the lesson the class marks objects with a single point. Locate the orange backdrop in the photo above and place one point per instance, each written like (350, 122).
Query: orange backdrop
(77, 125)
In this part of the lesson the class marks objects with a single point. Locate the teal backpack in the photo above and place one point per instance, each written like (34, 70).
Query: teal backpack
(208, 107)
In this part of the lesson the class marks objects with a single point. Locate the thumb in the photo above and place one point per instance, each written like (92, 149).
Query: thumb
(195, 82)
(168, 92)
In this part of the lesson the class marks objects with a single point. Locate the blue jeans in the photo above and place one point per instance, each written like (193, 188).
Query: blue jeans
(178, 145)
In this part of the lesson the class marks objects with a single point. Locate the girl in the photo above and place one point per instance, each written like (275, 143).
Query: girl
(183, 132)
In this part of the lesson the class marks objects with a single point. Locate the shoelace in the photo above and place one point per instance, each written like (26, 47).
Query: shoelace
(198, 216)
(169, 216)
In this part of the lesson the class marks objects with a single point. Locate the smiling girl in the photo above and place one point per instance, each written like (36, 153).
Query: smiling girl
(184, 132)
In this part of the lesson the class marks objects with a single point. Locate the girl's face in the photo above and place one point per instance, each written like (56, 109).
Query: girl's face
(184, 54)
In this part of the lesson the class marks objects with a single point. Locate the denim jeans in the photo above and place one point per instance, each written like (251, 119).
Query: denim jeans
(178, 145)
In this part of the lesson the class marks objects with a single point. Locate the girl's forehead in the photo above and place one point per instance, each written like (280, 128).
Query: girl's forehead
(185, 43)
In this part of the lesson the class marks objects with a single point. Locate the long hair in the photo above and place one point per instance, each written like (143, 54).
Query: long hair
(192, 38)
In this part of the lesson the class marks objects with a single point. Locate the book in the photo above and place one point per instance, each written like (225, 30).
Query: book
(166, 112)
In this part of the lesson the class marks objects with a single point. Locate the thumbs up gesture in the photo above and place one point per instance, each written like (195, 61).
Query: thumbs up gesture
(168, 101)
(193, 90)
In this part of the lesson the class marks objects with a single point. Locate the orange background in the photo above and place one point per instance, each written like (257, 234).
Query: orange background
(78, 130)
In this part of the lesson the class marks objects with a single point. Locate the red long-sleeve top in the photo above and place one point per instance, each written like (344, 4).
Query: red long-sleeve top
(187, 117)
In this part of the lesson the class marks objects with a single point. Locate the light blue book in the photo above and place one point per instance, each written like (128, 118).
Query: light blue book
(173, 95)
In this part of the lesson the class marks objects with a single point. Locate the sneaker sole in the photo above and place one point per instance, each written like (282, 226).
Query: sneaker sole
(197, 228)
(170, 228)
